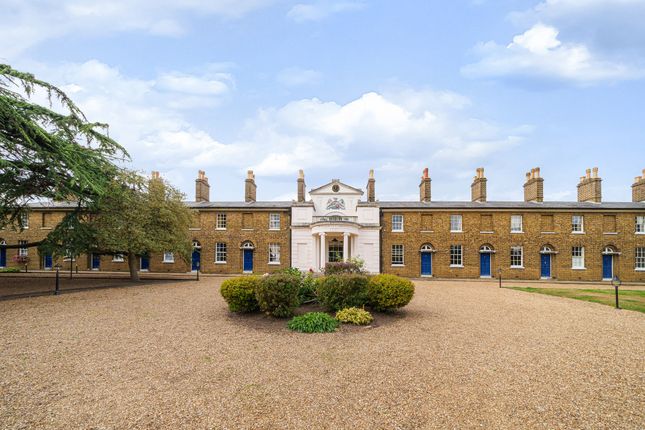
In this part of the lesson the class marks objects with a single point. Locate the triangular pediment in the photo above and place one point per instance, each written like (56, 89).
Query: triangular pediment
(336, 187)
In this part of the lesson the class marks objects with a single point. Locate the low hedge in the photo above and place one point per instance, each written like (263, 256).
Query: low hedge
(388, 292)
(10, 270)
(355, 316)
(277, 294)
(239, 293)
(336, 292)
(313, 322)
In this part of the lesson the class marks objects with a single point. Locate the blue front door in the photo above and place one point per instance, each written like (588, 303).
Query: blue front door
(426, 264)
(484, 264)
(96, 261)
(248, 260)
(607, 266)
(196, 259)
(3, 256)
(47, 261)
(545, 265)
(145, 262)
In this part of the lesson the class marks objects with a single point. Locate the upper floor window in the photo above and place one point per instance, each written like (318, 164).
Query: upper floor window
(221, 222)
(577, 224)
(455, 223)
(168, 257)
(24, 220)
(516, 223)
(640, 224)
(456, 256)
(397, 222)
(274, 221)
(397, 255)
(578, 257)
(274, 253)
(517, 256)
(220, 252)
(640, 258)
(118, 258)
(23, 252)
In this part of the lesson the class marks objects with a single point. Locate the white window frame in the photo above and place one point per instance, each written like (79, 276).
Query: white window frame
(515, 227)
(118, 258)
(274, 221)
(274, 253)
(639, 259)
(515, 249)
(456, 256)
(168, 257)
(397, 222)
(397, 257)
(574, 224)
(23, 252)
(221, 253)
(578, 261)
(24, 221)
(454, 220)
(640, 224)
(220, 221)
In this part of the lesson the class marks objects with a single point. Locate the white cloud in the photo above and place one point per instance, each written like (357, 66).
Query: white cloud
(322, 9)
(295, 77)
(539, 54)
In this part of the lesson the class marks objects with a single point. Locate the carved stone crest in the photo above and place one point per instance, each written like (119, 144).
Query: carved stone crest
(335, 203)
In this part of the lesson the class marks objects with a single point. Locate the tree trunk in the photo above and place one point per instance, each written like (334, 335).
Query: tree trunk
(132, 263)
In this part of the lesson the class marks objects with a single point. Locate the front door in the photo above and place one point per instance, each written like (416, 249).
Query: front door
(248, 260)
(607, 266)
(96, 261)
(426, 264)
(484, 265)
(545, 266)
(47, 262)
(145, 263)
(196, 259)
(3, 256)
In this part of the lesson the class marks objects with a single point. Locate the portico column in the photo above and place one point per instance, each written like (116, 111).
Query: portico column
(346, 239)
(322, 251)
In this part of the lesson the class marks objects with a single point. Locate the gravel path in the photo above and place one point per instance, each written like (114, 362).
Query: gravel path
(462, 355)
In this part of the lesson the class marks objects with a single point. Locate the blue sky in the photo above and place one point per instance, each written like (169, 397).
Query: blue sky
(339, 87)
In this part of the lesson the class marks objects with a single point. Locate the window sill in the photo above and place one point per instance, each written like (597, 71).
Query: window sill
(220, 262)
(398, 265)
(49, 228)
(168, 262)
(247, 229)
(398, 231)
(427, 231)
(517, 267)
(459, 266)
(639, 270)
(517, 232)
(456, 231)
(547, 232)
(274, 264)
(273, 229)
(578, 268)
(577, 232)
(486, 232)
(614, 233)
(220, 229)
(195, 228)
(640, 233)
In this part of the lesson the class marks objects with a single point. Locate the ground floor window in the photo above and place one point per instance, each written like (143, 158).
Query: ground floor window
(456, 255)
(397, 255)
(274, 253)
(168, 257)
(23, 252)
(640, 258)
(220, 252)
(517, 256)
(117, 258)
(578, 257)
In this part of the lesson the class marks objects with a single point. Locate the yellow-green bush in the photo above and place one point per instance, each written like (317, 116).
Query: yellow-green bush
(342, 291)
(387, 292)
(277, 294)
(356, 316)
(239, 293)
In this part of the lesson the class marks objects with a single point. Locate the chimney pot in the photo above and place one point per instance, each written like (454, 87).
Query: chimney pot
(590, 188)
(425, 190)
(250, 188)
(202, 188)
(371, 187)
(301, 186)
(534, 186)
(638, 188)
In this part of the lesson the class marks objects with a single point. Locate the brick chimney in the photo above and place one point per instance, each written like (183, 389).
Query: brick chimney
(478, 187)
(302, 188)
(534, 186)
(424, 187)
(638, 188)
(249, 187)
(589, 188)
(202, 189)
(371, 187)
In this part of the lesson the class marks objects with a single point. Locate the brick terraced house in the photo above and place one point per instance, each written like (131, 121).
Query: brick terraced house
(587, 240)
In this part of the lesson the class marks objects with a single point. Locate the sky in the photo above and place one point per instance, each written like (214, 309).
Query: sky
(339, 87)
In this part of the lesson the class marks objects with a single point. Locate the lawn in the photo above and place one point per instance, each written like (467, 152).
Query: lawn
(633, 300)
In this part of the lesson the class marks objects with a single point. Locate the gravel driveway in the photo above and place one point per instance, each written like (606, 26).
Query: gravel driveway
(462, 355)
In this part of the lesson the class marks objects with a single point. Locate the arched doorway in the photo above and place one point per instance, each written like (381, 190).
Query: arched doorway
(426, 259)
(3, 253)
(546, 253)
(247, 256)
(608, 254)
(485, 252)
(196, 258)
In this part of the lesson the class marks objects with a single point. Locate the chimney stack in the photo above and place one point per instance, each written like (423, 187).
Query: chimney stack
(424, 187)
(249, 187)
(589, 188)
(534, 186)
(638, 188)
(478, 187)
(302, 189)
(202, 189)
(371, 187)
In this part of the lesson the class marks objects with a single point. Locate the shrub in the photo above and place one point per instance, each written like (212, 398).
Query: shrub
(356, 316)
(313, 322)
(342, 291)
(307, 291)
(387, 292)
(354, 265)
(239, 293)
(10, 270)
(277, 294)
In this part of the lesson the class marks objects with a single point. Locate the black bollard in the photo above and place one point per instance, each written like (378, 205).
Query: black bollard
(57, 289)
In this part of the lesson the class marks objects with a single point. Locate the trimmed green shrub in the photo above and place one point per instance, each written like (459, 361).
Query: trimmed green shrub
(239, 293)
(277, 294)
(354, 265)
(387, 292)
(356, 316)
(313, 322)
(342, 291)
(10, 270)
(307, 291)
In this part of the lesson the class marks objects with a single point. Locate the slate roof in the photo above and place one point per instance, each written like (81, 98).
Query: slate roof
(513, 205)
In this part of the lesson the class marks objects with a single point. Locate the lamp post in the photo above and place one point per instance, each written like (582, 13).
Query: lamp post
(57, 288)
(615, 281)
(499, 275)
